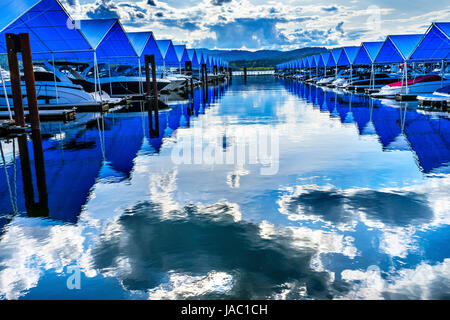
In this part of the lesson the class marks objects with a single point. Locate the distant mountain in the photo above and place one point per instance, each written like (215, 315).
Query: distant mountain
(262, 59)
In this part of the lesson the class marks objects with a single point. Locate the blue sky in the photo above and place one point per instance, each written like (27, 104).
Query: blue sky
(267, 24)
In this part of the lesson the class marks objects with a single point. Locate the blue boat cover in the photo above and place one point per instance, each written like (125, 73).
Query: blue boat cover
(168, 52)
(51, 29)
(367, 52)
(397, 48)
(435, 45)
(144, 43)
(108, 39)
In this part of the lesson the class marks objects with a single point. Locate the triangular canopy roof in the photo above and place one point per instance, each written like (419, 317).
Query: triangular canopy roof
(367, 52)
(108, 38)
(397, 48)
(347, 56)
(435, 45)
(51, 29)
(193, 57)
(336, 53)
(168, 51)
(323, 60)
(182, 53)
(313, 61)
(144, 44)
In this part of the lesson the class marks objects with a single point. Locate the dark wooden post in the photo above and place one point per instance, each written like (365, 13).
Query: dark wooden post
(27, 178)
(206, 75)
(12, 46)
(245, 73)
(28, 71)
(39, 167)
(147, 75)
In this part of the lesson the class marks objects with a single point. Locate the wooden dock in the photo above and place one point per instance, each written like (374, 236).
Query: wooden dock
(8, 127)
(405, 97)
(46, 115)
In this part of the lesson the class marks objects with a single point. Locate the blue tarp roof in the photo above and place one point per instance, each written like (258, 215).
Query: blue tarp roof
(108, 38)
(347, 56)
(144, 43)
(193, 57)
(336, 53)
(367, 52)
(397, 48)
(182, 53)
(168, 52)
(324, 57)
(314, 61)
(46, 22)
(435, 45)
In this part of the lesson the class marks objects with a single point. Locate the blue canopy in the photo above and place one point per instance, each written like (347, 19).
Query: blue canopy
(144, 43)
(314, 61)
(435, 45)
(323, 60)
(108, 38)
(336, 53)
(367, 52)
(51, 29)
(201, 59)
(348, 55)
(193, 57)
(168, 52)
(182, 53)
(397, 48)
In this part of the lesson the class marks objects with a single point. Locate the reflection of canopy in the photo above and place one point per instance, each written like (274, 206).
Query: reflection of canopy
(367, 52)
(168, 52)
(108, 38)
(145, 44)
(435, 45)
(397, 48)
(47, 23)
(427, 142)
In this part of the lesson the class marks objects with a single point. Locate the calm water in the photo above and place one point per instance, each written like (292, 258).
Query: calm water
(350, 200)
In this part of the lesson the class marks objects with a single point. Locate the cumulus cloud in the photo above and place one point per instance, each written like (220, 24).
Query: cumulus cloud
(219, 2)
(261, 25)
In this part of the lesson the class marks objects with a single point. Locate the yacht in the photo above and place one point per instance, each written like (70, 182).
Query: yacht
(417, 85)
(124, 80)
(364, 81)
(442, 94)
(51, 89)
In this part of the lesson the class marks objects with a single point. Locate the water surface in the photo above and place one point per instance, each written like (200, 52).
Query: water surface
(355, 203)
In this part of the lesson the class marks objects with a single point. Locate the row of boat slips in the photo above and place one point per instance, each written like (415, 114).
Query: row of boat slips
(405, 67)
(84, 62)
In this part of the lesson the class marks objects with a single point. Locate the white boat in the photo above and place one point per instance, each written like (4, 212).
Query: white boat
(418, 85)
(124, 80)
(51, 89)
(442, 94)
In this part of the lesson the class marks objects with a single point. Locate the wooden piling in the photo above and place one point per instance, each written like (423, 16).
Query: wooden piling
(245, 73)
(147, 75)
(12, 48)
(30, 84)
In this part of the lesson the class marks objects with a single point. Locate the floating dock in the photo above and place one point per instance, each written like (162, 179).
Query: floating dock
(47, 115)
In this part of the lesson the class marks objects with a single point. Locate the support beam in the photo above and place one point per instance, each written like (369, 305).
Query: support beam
(12, 47)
